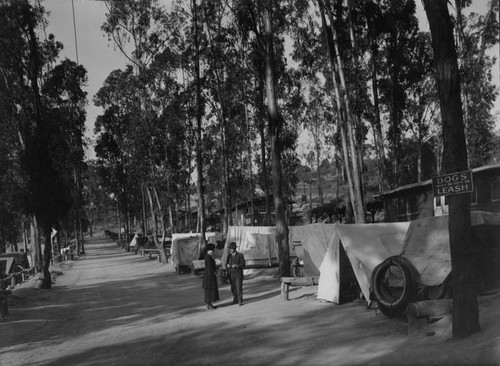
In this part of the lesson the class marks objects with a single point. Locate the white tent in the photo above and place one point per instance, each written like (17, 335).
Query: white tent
(185, 248)
(313, 240)
(366, 246)
(258, 245)
(424, 242)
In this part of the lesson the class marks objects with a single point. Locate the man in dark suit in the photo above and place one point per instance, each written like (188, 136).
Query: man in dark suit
(235, 264)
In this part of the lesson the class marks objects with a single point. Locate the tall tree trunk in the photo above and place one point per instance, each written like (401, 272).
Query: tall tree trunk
(318, 175)
(25, 236)
(36, 247)
(347, 140)
(250, 169)
(249, 154)
(376, 124)
(119, 224)
(199, 157)
(461, 49)
(154, 215)
(226, 188)
(82, 239)
(77, 237)
(465, 305)
(263, 154)
(264, 178)
(275, 126)
(161, 216)
(144, 218)
(47, 251)
(357, 198)
(171, 218)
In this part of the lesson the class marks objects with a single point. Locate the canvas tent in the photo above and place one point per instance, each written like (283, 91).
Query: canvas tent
(6, 265)
(427, 246)
(12, 261)
(366, 246)
(186, 248)
(310, 242)
(258, 245)
(424, 242)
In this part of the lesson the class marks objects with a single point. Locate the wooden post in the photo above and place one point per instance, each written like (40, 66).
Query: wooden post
(284, 290)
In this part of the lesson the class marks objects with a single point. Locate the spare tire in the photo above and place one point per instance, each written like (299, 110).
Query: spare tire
(394, 284)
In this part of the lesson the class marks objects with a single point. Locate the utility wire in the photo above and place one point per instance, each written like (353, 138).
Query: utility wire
(74, 30)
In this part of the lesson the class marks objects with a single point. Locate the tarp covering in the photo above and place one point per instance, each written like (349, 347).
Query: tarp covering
(185, 248)
(366, 246)
(314, 240)
(427, 245)
(424, 242)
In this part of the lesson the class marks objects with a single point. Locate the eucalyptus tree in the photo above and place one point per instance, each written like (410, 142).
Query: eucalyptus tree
(420, 117)
(476, 34)
(465, 305)
(147, 35)
(20, 103)
(114, 129)
(11, 177)
(43, 119)
(11, 174)
(63, 94)
(275, 128)
(250, 25)
(135, 30)
(263, 26)
(316, 120)
(351, 159)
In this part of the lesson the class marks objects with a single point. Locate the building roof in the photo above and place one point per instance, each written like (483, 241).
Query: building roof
(428, 182)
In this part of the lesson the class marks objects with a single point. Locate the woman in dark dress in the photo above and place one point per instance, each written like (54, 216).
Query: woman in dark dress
(210, 278)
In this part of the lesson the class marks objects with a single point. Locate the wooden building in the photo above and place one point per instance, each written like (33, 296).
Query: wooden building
(416, 200)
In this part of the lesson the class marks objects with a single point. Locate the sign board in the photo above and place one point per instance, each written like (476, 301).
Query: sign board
(453, 183)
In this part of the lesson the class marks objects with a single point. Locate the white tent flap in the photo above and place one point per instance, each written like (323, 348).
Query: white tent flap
(366, 246)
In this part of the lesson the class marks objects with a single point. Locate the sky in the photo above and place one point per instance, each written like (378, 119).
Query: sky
(99, 56)
(95, 52)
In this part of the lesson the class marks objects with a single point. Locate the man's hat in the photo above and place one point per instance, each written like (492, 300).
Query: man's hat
(210, 247)
(232, 245)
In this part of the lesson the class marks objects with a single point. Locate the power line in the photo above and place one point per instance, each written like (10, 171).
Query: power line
(74, 29)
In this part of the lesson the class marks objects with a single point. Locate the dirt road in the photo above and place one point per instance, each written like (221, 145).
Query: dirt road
(111, 307)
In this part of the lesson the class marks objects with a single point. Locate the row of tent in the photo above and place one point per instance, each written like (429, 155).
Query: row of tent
(12, 262)
(341, 253)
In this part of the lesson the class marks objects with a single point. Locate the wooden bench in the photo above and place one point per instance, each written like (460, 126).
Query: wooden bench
(286, 282)
(11, 280)
(4, 308)
(152, 251)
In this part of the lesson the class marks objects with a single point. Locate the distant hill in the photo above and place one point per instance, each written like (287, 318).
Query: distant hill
(332, 182)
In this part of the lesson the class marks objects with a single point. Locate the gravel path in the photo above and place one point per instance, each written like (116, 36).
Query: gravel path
(111, 307)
